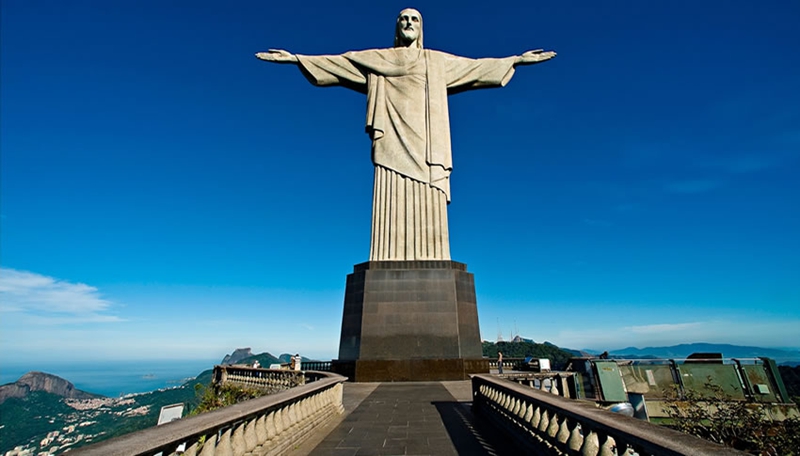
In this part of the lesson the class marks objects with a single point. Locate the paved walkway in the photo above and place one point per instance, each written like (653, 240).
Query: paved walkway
(419, 418)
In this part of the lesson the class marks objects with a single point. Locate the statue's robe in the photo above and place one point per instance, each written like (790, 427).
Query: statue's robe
(408, 121)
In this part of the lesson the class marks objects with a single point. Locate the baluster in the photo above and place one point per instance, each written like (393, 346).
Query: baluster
(261, 430)
(523, 409)
(319, 404)
(310, 407)
(238, 444)
(537, 417)
(306, 408)
(338, 392)
(298, 411)
(544, 422)
(291, 416)
(250, 438)
(319, 401)
(301, 410)
(554, 386)
(190, 451)
(209, 446)
(563, 433)
(287, 420)
(224, 447)
(591, 444)
(575, 436)
(552, 427)
(608, 447)
(515, 406)
(528, 413)
(278, 422)
(269, 425)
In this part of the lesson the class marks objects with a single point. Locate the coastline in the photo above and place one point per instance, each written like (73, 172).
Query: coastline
(113, 378)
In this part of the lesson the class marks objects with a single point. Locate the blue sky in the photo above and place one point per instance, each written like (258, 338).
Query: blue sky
(167, 195)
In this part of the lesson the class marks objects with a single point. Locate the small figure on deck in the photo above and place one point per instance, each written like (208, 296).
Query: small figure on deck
(499, 362)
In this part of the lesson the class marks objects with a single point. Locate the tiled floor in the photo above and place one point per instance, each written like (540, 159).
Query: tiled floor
(412, 419)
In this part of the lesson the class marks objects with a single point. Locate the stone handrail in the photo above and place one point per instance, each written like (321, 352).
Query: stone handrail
(268, 425)
(546, 424)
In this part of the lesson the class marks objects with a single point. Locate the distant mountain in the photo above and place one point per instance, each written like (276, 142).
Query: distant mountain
(264, 359)
(727, 350)
(287, 358)
(40, 381)
(557, 356)
(237, 356)
(27, 421)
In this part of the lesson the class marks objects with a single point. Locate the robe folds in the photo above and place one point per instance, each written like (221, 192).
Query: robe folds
(408, 122)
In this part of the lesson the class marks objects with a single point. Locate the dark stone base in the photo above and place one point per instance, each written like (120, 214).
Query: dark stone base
(409, 370)
(410, 320)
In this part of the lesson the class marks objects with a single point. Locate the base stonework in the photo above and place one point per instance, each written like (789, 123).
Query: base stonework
(410, 320)
(410, 370)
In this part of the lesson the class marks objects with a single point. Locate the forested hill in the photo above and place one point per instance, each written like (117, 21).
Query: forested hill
(558, 357)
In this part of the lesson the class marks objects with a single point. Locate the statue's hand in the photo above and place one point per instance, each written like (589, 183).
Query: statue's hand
(278, 56)
(531, 57)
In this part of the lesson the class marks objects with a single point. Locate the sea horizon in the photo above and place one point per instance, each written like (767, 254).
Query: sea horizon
(113, 378)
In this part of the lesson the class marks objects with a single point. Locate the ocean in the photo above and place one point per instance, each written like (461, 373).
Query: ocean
(114, 378)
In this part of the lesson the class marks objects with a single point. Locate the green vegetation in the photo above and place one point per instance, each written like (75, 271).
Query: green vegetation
(732, 423)
(31, 416)
(211, 398)
(791, 379)
(558, 357)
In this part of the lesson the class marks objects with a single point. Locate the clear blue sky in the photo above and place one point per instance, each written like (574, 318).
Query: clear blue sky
(167, 195)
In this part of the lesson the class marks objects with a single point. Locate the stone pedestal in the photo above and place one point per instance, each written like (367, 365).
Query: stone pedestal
(410, 321)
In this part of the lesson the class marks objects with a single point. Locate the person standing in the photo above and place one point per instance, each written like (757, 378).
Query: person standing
(500, 362)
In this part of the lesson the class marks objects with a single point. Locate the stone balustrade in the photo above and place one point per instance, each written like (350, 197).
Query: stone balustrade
(268, 380)
(322, 366)
(268, 425)
(547, 424)
(559, 383)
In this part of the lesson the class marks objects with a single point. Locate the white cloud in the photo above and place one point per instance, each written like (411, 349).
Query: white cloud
(41, 300)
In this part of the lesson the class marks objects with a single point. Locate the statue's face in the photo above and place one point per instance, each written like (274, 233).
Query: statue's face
(409, 25)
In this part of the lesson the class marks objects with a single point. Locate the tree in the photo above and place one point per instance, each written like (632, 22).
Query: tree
(733, 423)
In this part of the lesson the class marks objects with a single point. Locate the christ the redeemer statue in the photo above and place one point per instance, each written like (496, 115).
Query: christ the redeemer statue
(408, 122)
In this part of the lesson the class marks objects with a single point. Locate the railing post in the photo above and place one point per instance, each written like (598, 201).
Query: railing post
(224, 447)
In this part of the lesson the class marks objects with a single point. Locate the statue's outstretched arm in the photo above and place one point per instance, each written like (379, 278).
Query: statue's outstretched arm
(277, 56)
(536, 56)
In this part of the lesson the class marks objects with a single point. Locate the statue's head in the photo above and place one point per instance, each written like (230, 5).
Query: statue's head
(408, 32)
